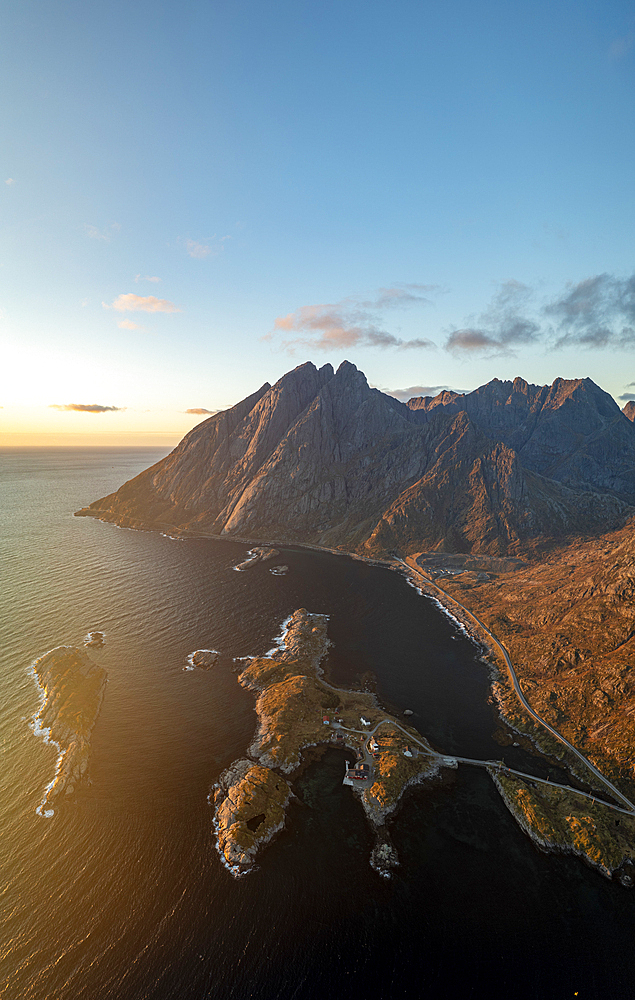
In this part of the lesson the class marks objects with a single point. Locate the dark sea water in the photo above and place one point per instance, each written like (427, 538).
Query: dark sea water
(121, 893)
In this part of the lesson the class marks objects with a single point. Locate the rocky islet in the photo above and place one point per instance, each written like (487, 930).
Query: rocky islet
(72, 689)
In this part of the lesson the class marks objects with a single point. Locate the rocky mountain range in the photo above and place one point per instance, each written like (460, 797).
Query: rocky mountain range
(321, 457)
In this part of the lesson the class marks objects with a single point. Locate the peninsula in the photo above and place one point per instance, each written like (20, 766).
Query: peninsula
(297, 709)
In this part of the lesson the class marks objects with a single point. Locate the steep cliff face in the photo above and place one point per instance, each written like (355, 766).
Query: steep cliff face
(571, 431)
(498, 508)
(321, 457)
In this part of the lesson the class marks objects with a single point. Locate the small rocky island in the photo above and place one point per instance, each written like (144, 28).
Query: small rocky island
(72, 687)
(204, 659)
(297, 709)
(262, 553)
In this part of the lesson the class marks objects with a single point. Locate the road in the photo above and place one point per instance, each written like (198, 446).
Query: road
(517, 688)
(487, 764)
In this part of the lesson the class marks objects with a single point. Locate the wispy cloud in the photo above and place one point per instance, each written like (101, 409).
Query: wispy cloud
(415, 390)
(597, 312)
(141, 303)
(207, 246)
(127, 324)
(627, 396)
(105, 235)
(198, 250)
(147, 277)
(501, 327)
(199, 410)
(620, 46)
(353, 322)
(10, 181)
(87, 407)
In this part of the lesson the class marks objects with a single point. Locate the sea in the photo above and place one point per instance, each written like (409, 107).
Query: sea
(121, 894)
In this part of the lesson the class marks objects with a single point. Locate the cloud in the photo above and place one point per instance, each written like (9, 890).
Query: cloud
(141, 303)
(147, 277)
(597, 312)
(87, 407)
(400, 296)
(210, 246)
(10, 181)
(353, 322)
(415, 390)
(104, 235)
(627, 396)
(620, 46)
(501, 327)
(127, 324)
(198, 250)
(200, 410)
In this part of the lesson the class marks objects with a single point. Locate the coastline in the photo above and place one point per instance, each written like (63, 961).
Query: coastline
(383, 857)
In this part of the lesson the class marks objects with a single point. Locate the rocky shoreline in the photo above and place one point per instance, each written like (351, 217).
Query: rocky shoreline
(564, 823)
(72, 689)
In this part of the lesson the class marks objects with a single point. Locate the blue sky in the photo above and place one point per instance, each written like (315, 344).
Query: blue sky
(442, 193)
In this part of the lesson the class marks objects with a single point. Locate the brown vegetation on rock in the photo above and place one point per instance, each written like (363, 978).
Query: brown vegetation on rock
(73, 688)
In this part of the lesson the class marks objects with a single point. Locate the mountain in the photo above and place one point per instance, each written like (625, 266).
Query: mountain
(321, 457)
(571, 431)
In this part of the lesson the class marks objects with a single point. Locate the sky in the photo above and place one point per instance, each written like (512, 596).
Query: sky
(196, 197)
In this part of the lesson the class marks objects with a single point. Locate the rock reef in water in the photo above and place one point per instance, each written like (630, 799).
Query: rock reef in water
(205, 659)
(95, 640)
(73, 688)
(260, 554)
(292, 703)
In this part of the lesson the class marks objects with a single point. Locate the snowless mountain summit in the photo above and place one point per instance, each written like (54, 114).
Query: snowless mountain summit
(320, 457)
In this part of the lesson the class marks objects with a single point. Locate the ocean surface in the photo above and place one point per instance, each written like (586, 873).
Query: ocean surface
(121, 893)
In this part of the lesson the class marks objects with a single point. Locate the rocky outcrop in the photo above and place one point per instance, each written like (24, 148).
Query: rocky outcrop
(204, 659)
(72, 688)
(250, 803)
(629, 410)
(259, 554)
(322, 458)
(563, 822)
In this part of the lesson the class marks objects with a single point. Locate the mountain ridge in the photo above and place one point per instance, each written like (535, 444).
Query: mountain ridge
(322, 457)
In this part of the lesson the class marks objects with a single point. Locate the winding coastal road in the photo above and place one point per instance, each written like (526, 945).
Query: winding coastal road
(630, 807)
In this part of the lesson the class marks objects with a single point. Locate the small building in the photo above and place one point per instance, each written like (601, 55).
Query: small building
(364, 721)
(373, 745)
(325, 720)
(408, 752)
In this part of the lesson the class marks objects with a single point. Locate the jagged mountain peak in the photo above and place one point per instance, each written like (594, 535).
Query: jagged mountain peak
(321, 457)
